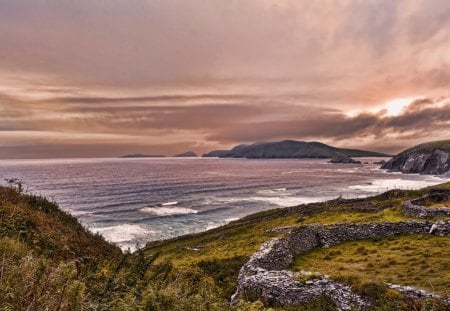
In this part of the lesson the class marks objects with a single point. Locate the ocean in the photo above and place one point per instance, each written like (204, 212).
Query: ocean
(134, 201)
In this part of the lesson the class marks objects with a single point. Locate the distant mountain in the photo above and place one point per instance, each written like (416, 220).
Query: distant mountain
(138, 155)
(431, 158)
(289, 149)
(188, 154)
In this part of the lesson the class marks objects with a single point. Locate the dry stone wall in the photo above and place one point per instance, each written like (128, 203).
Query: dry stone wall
(414, 210)
(263, 277)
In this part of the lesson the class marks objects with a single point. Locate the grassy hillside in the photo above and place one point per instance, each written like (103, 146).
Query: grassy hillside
(49, 261)
(416, 260)
(290, 149)
(443, 145)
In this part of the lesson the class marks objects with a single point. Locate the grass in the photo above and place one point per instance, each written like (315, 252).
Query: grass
(440, 144)
(49, 261)
(438, 204)
(417, 260)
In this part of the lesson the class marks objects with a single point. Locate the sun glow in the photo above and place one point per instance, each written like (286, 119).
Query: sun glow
(394, 107)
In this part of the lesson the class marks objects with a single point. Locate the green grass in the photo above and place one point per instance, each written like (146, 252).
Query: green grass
(429, 147)
(417, 260)
(49, 261)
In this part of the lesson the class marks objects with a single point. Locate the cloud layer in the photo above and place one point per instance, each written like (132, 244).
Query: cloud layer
(101, 78)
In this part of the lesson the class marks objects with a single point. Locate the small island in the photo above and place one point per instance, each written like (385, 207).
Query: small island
(138, 155)
(188, 154)
(343, 159)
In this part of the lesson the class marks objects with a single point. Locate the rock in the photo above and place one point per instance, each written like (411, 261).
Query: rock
(412, 209)
(343, 159)
(430, 158)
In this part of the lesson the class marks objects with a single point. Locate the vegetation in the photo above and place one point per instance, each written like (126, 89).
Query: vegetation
(422, 261)
(443, 145)
(48, 261)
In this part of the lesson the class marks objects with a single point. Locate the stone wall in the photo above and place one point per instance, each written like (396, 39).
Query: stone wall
(412, 209)
(263, 278)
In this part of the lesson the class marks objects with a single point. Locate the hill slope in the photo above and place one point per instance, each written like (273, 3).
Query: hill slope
(429, 158)
(49, 261)
(289, 149)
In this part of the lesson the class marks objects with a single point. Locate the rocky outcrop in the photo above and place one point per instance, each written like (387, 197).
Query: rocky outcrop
(289, 149)
(263, 277)
(432, 158)
(343, 159)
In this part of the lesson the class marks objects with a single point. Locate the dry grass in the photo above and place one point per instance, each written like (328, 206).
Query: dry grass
(417, 260)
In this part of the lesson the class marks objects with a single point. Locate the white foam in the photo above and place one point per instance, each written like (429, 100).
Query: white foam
(231, 219)
(280, 189)
(212, 225)
(167, 211)
(122, 233)
(288, 201)
(281, 201)
(170, 203)
(380, 185)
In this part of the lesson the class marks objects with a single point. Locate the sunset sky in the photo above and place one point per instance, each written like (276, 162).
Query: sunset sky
(91, 78)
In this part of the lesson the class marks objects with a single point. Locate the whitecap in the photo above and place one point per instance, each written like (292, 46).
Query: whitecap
(281, 201)
(168, 211)
(231, 219)
(381, 185)
(122, 233)
(169, 203)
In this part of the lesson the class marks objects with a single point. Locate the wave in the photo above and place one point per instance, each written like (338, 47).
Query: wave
(281, 201)
(169, 203)
(122, 233)
(381, 185)
(168, 211)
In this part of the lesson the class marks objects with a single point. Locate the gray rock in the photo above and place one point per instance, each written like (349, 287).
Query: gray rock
(432, 158)
(343, 159)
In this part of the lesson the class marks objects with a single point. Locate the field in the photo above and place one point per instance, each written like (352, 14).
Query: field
(422, 261)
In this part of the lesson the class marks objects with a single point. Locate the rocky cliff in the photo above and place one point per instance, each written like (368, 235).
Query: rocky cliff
(430, 158)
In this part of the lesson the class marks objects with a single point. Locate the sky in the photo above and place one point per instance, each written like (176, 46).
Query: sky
(101, 78)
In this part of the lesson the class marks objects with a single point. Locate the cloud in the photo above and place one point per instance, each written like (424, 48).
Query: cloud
(222, 72)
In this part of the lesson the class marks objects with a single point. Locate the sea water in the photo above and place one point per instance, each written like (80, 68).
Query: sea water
(134, 201)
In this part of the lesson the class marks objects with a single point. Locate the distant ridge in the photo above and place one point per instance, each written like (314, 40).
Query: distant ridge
(289, 149)
(138, 155)
(188, 154)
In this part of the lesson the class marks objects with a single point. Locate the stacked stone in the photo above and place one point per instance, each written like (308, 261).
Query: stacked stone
(263, 278)
(413, 210)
